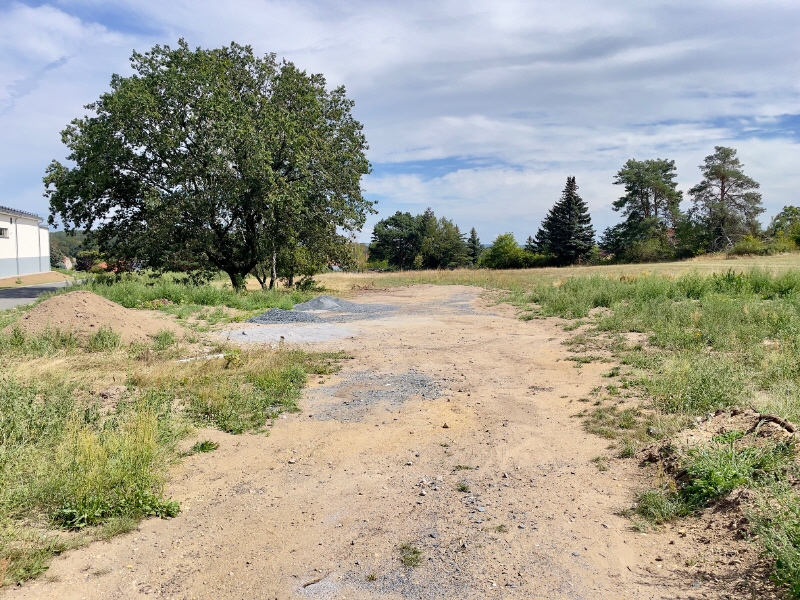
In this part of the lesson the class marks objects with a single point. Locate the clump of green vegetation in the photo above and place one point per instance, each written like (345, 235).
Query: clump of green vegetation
(164, 339)
(463, 487)
(775, 519)
(462, 468)
(103, 339)
(168, 292)
(46, 343)
(713, 471)
(204, 446)
(410, 555)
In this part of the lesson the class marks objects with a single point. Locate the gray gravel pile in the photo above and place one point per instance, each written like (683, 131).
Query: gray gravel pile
(350, 400)
(324, 309)
(278, 315)
(339, 305)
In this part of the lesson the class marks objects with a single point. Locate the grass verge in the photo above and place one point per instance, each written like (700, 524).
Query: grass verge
(89, 430)
(729, 339)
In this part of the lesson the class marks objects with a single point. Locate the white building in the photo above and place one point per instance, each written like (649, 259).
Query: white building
(24, 243)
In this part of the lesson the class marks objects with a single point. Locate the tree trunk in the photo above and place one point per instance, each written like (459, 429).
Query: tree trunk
(274, 271)
(237, 281)
(262, 279)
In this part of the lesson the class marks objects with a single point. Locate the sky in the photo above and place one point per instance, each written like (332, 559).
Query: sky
(479, 110)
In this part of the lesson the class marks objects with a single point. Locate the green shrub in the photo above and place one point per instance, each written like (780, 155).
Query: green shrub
(749, 244)
(505, 253)
(104, 339)
(163, 340)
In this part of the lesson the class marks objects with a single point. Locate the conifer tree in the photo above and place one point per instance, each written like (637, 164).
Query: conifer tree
(474, 247)
(726, 202)
(566, 232)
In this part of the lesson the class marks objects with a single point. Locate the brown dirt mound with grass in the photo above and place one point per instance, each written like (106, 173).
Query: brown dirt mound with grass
(85, 313)
(758, 428)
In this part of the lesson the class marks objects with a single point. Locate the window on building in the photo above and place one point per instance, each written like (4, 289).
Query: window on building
(3, 232)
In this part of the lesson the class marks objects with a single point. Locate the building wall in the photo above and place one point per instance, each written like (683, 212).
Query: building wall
(26, 249)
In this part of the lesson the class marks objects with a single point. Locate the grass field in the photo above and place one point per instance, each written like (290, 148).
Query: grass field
(522, 279)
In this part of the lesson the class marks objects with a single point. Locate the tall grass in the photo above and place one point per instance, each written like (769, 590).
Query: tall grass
(715, 341)
(71, 461)
(718, 340)
(137, 291)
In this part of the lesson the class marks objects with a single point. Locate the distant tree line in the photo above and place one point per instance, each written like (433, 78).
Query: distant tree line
(723, 216)
(404, 241)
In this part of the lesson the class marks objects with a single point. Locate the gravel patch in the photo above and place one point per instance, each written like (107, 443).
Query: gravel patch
(329, 303)
(278, 315)
(350, 400)
(324, 309)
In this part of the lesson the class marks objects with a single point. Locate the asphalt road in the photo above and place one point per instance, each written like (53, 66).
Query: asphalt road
(17, 296)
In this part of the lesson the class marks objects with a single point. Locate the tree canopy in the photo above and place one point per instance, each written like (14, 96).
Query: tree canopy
(217, 158)
(651, 191)
(474, 246)
(419, 242)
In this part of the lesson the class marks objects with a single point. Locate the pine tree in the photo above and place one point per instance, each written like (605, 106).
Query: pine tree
(474, 246)
(566, 232)
(726, 202)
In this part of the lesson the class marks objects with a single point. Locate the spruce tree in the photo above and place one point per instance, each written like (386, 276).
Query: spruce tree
(474, 246)
(566, 232)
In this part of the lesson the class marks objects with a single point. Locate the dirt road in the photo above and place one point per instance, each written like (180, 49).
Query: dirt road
(449, 432)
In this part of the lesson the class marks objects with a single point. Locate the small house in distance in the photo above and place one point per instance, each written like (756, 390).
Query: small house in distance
(24, 243)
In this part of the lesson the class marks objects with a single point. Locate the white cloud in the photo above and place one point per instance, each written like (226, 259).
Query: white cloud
(517, 94)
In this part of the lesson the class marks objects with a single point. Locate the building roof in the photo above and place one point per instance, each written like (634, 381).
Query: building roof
(19, 213)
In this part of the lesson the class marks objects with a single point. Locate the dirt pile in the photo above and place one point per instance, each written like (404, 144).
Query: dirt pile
(755, 429)
(85, 313)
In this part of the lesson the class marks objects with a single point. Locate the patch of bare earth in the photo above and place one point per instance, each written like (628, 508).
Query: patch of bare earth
(450, 433)
(85, 313)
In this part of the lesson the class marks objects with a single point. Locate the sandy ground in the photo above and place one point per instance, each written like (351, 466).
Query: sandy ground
(49, 277)
(320, 507)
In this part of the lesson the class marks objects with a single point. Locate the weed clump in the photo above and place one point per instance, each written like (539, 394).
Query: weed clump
(410, 556)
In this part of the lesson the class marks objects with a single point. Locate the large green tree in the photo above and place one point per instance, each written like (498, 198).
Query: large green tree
(726, 203)
(419, 242)
(651, 192)
(216, 157)
(651, 208)
(566, 233)
(397, 240)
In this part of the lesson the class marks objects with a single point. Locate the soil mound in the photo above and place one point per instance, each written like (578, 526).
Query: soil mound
(756, 429)
(84, 313)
